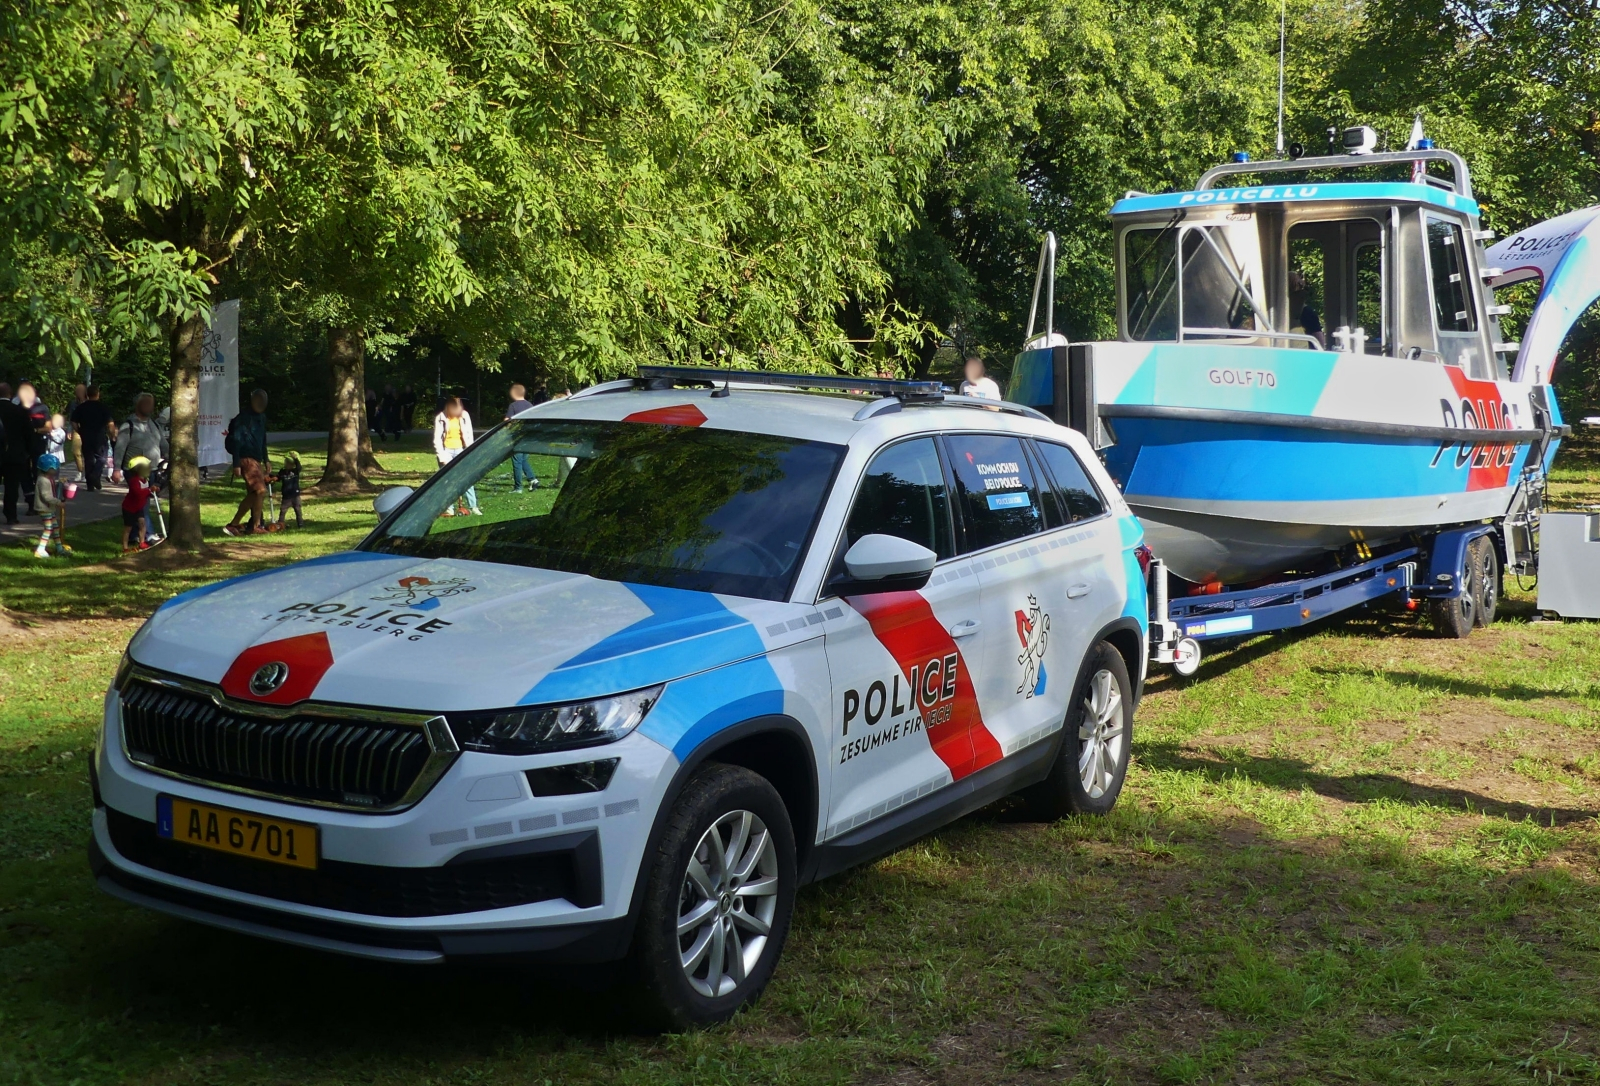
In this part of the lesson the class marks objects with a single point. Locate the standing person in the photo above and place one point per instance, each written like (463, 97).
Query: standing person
(389, 412)
(141, 435)
(80, 393)
(38, 429)
(246, 439)
(15, 440)
(408, 410)
(96, 431)
(47, 495)
(289, 489)
(978, 382)
(136, 503)
(371, 408)
(452, 433)
(520, 467)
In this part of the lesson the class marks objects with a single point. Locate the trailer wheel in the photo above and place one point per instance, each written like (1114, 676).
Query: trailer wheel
(1486, 567)
(1456, 617)
(1186, 657)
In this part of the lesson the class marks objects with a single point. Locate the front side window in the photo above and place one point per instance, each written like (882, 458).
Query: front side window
(1077, 496)
(903, 494)
(678, 506)
(996, 487)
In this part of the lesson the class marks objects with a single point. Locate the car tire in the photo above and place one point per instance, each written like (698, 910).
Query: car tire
(713, 924)
(1096, 743)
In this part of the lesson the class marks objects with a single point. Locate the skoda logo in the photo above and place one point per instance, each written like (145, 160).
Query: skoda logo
(268, 678)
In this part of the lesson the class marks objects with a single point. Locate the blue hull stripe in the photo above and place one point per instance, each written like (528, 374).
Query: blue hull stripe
(1226, 462)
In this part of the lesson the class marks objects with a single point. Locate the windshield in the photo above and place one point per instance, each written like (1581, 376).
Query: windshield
(1215, 295)
(677, 506)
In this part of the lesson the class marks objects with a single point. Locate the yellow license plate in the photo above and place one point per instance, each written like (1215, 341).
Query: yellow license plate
(239, 832)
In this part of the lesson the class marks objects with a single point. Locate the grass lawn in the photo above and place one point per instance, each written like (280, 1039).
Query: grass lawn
(1358, 853)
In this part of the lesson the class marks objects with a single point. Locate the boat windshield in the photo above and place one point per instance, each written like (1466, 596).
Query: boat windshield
(679, 506)
(1214, 296)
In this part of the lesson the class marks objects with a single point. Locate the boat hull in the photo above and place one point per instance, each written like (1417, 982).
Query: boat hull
(1247, 461)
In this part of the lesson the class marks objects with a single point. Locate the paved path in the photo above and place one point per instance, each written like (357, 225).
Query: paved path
(87, 507)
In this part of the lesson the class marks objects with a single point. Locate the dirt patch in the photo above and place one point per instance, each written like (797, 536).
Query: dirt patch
(19, 629)
(165, 558)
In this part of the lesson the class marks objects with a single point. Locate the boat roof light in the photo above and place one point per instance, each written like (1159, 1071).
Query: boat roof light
(1360, 140)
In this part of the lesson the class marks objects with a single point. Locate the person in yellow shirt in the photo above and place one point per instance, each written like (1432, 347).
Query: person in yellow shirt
(452, 433)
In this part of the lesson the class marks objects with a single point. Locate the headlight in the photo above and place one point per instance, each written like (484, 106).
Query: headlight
(124, 666)
(554, 727)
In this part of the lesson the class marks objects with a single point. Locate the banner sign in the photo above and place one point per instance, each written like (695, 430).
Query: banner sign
(219, 381)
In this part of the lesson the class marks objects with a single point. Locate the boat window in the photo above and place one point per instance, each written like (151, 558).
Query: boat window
(1216, 282)
(1452, 293)
(1217, 293)
(1337, 284)
(1149, 255)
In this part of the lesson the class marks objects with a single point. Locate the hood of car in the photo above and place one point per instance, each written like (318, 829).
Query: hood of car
(443, 635)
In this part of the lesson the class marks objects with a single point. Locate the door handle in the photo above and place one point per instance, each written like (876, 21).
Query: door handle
(1077, 590)
(965, 628)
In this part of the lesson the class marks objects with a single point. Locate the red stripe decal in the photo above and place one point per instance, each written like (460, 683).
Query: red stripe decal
(683, 414)
(308, 658)
(905, 625)
(1488, 466)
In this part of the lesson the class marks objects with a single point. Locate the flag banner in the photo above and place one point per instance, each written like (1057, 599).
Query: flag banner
(219, 381)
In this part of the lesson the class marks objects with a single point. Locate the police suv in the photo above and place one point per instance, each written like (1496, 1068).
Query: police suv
(748, 630)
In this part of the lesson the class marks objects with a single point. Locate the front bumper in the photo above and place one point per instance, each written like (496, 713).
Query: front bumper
(598, 941)
(478, 866)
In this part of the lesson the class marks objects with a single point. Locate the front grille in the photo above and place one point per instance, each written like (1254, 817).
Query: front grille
(460, 887)
(354, 763)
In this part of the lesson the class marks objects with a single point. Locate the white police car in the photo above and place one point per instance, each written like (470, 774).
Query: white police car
(742, 638)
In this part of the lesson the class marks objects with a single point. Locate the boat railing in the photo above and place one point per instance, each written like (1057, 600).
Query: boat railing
(1251, 333)
(1463, 181)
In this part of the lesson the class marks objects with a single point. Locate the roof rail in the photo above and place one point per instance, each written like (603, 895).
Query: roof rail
(668, 376)
(895, 395)
(1463, 180)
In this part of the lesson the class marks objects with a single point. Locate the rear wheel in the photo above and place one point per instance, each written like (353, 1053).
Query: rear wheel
(1456, 617)
(719, 900)
(1487, 565)
(1098, 738)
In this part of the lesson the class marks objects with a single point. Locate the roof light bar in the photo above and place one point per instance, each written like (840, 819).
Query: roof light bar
(657, 376)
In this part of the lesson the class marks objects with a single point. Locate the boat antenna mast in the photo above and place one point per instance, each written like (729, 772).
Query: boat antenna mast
(1283, 26)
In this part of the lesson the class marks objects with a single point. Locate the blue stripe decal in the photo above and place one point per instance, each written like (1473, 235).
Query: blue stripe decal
(1164, 458)
(1191, 374)
(1136, 590)
(1297, 193)
(685, 632)
(694, 709)
(338, 559)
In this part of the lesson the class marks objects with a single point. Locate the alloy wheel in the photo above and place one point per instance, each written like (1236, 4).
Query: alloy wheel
(727, 903)
(1101, 734)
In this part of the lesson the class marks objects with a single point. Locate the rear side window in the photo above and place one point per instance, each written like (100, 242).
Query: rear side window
(903, 494)
(996, 487)
(1077, 495)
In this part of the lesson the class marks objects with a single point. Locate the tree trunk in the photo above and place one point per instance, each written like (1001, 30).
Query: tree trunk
(183, 478)
(369, 459)
(347, 349)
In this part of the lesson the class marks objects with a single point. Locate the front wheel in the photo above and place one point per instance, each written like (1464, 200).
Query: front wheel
(719, 900)
(1098, 739)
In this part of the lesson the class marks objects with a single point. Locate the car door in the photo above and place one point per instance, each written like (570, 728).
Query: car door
(1015, 531)
(906, 720)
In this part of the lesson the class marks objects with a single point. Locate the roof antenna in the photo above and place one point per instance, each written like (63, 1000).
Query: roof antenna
(1283, 26)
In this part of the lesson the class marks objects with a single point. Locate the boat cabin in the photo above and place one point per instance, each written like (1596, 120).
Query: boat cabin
(1260, 254)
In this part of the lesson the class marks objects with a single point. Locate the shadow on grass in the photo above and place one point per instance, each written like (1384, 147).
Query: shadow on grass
(1462, 687)
(1293, 775)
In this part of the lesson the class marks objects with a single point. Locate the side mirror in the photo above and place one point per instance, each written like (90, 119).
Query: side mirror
(885, 563)
(390, 500)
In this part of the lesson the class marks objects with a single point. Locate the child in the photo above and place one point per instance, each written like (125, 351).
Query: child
(57, 442)
(48, 501)
(289, 489)
(137, 500)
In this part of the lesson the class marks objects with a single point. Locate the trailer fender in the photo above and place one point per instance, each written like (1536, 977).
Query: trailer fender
(1449, 556)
